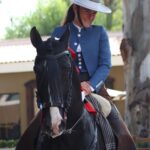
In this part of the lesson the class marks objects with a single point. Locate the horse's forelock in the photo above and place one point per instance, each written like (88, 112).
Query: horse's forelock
(44, 48)
(54, 82)
(51, 71)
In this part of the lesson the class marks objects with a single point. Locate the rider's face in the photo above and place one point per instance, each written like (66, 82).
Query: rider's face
(87, 16)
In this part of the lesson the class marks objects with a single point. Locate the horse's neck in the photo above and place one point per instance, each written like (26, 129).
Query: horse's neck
(76, 108)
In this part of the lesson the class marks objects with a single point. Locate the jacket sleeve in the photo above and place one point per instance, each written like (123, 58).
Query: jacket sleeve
(104, 62)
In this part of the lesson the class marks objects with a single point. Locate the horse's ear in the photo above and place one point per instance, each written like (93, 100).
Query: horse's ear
(35, 37)
(65, 37)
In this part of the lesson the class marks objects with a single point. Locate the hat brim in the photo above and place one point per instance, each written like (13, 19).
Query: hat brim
(92, 5)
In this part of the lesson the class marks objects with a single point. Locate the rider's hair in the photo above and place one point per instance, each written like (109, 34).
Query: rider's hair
(70, 15)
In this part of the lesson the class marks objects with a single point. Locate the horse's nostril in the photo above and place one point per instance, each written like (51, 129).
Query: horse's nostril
(59, 131)
(62, 126)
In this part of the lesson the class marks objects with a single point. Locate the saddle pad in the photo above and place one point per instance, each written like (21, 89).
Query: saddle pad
(89, 107)
(104, 103)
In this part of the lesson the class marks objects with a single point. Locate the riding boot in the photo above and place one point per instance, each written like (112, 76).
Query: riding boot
(124, 138)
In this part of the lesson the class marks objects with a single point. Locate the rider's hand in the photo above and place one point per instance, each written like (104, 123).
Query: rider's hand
(85, 86)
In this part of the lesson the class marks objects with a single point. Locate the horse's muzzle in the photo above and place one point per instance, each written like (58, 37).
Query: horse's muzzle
(57, 131)
(57, 122)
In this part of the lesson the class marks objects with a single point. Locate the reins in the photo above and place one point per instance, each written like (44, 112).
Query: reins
(69, 131)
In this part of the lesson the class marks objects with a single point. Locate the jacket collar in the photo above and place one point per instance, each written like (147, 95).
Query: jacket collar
(75, 28)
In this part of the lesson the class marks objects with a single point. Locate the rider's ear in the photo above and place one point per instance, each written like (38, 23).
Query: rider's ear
(65, 37)
(35, 37)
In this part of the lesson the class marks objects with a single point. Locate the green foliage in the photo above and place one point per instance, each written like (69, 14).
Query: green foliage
(143, 145)
(111, 21)
(117, 17)
(8, 143)
(50, 13)
(67, 2)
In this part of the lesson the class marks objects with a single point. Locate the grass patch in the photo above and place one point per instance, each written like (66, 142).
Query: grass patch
(8, 143)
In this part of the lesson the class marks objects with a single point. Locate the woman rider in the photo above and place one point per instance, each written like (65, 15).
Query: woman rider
(91, 45)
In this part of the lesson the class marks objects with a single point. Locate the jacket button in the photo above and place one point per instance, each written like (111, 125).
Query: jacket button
(75, 44)
(79, 55)
(79, 35)
(80, 67)
(80, 63)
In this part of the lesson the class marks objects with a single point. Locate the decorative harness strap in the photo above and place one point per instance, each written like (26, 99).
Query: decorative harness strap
(88, 105)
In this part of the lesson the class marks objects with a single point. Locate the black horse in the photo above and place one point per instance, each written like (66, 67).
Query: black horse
(63, 123)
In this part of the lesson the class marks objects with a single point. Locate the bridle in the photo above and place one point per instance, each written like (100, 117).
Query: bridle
(56, 56)
(43, 105)
(69, 93)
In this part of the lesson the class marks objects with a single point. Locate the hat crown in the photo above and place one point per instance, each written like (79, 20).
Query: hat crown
(95, 5)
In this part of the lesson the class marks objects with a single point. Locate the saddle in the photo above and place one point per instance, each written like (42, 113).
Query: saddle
(103, 105)
(103, 109)
(116, 125)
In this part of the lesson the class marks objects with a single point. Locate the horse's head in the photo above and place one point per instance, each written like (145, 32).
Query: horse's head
(53, 70)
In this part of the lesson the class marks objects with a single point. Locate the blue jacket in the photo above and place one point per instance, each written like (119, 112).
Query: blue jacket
(95, 50)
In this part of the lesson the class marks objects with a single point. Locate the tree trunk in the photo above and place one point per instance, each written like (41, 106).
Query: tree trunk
(135, 48)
